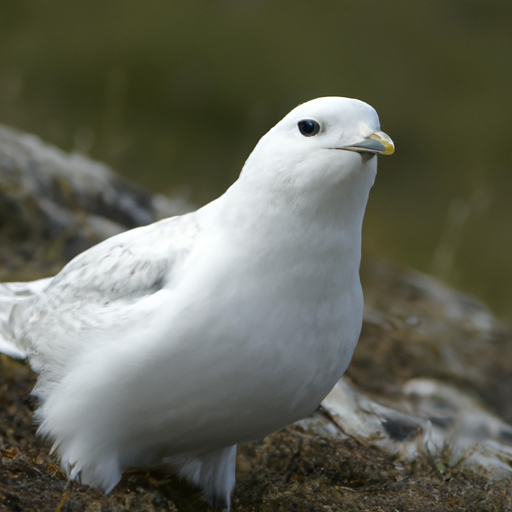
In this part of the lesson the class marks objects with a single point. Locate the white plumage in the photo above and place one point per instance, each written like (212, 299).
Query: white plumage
(175, 341)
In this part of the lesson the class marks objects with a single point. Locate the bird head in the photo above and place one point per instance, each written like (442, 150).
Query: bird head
(320, 143)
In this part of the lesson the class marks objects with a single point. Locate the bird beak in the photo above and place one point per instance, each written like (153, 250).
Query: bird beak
(378, 142)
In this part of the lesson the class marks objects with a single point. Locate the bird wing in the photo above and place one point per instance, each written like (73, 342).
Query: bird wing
(10, 295)
(102, 294)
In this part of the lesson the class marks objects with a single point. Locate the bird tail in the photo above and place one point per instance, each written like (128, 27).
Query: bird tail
(213, 472)
(10, 295)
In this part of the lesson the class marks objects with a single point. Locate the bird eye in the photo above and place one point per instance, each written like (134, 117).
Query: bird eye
(309, 127)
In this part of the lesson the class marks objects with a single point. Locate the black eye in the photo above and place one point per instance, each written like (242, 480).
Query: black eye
(308, 127)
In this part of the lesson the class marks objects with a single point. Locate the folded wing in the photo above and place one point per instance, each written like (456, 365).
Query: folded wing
(105, 292)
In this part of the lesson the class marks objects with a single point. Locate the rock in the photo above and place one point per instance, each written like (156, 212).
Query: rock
(420, 422)
(430, 374)
(54, 205)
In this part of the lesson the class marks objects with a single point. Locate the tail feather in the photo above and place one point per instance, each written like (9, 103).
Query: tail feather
(10, 295)
(213, 472)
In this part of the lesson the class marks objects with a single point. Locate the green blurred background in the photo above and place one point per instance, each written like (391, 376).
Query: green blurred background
(174, 95)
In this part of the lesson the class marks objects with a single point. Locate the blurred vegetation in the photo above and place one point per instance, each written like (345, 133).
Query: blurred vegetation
(174, 95)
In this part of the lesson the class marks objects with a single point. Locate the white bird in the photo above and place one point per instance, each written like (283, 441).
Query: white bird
(175, 341)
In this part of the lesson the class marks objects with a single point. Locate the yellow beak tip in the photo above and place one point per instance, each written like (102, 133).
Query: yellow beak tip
(386, 141)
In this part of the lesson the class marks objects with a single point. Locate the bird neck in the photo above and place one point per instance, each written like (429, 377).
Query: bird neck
(292, 216)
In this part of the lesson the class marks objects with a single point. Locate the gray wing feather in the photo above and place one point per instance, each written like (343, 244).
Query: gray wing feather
(10, 295)
(98, 296)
